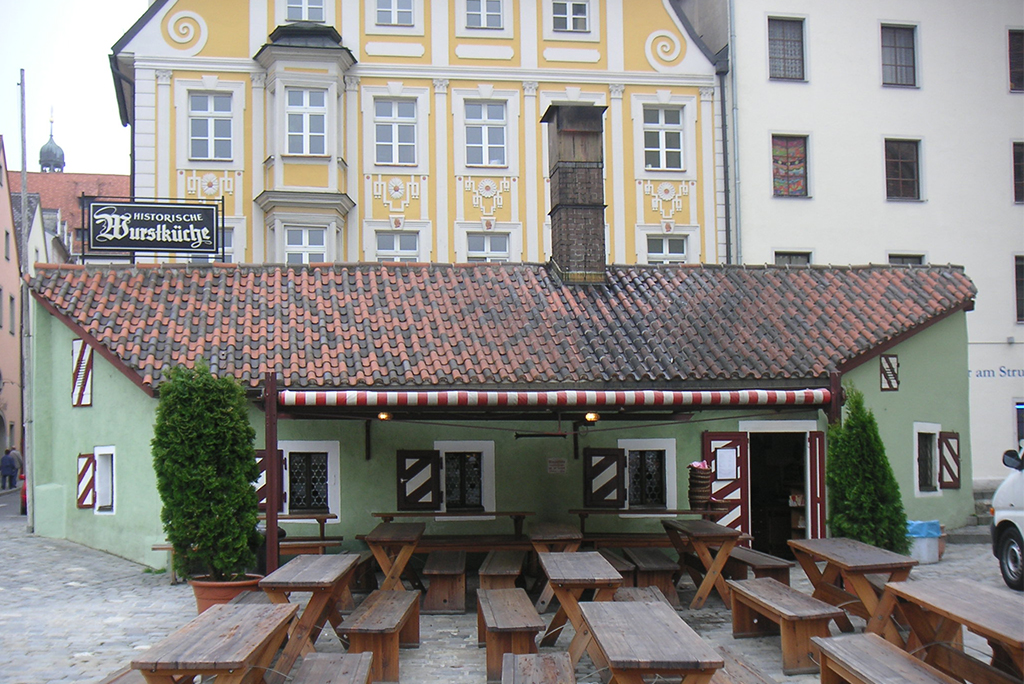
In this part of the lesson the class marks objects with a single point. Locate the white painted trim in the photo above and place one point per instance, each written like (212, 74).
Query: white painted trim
(616, 37)
(333, 450)
(350, 24)
(281, 13)
(496, 52)
(464, 31)
(805, 18)
(424, 228)
(164, 105)
(592, 35)
(484, 93)
(528, 39)
(616, 122)
(379, 49)
(553, 54)
(513, 230)
(441, 163)
(931, 429)
(707, 188)
(531, 172)
(487, 475)
(215, 85)
(690, 232)
(396, 91)
(258, 24)
(665, 98)
(353, 175)
(418, 21)
(279, 221)
(105, 474)
(671, 484)
(778, 426)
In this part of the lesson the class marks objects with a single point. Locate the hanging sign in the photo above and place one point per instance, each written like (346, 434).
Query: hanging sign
(153, 227)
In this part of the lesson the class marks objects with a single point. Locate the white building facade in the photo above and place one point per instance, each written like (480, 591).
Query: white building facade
(888, 131)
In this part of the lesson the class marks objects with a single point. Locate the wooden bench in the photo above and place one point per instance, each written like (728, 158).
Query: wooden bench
(296, 546)
(507, 622)
(870, 659)
(248, 598)
(383, 622)
(446, 591)
(333, 668)
(532, 668)
(740, 560)
(655, 569)
(125, 676)
(737, 670)
(641, 595)
(166, 546)
(622, 566)
(763, 606)
(621, 540)
(501, 568)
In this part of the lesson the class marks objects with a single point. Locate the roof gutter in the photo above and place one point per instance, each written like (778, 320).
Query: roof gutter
(557, 399)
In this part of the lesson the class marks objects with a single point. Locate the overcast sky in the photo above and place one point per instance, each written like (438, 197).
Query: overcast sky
(63, 46)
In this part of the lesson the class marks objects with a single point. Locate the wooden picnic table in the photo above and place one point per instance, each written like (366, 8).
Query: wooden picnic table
(320, 518)
(844, 580)
(392, 545)
(547, 537)
(237, 643)
(712, 543)
(937, 610)
(585, 513)
(517, 516)
(569, 575)
(327, 578)
(637, 640)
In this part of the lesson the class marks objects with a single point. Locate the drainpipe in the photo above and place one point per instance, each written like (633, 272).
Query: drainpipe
(735, 127)
(722, 68)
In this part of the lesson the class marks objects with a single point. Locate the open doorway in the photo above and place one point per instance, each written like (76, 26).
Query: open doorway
(777, 490)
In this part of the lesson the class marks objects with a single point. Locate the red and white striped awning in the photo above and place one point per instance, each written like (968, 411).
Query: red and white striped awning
(553, 399)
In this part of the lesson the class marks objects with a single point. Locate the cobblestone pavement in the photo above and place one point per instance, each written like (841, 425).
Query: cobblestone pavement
(72, 614)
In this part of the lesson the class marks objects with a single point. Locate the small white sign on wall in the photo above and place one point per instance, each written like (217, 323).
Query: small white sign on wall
(726, 464)
(556, 466)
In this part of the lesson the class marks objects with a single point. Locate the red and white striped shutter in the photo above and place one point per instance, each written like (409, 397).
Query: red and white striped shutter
(949, 460)
(604, 478)
(261, 481)
(81, 381)
(86, 481)
(419, 480)
(728, 455)
(816, 512)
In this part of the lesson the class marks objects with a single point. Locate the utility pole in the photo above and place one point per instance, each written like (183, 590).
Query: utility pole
(21, 241)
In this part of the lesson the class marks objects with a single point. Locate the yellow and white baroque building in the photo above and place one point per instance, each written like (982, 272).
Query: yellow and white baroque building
(382, 130)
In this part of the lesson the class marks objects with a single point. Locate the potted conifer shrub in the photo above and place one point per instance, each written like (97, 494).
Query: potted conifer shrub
(205, 463)
(864, 497)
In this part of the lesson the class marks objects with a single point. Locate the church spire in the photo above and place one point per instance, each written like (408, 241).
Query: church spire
(51, 156)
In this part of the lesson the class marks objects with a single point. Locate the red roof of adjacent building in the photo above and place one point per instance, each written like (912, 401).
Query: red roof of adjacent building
(63, 190)
(513, 326)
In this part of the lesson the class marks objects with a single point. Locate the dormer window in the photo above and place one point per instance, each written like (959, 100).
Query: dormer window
(306, 10)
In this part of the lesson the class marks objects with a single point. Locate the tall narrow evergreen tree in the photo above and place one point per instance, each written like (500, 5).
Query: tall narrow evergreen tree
(205, 465)
(864, 497)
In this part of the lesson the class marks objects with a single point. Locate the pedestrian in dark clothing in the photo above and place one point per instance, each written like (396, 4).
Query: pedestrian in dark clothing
(8, 470)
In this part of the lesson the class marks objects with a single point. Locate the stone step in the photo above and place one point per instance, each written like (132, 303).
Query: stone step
(972, 534)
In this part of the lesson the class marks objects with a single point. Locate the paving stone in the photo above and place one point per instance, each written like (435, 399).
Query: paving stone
(72, 614)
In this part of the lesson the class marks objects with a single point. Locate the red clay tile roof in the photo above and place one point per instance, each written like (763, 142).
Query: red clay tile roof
(416, 326)
(62, 190)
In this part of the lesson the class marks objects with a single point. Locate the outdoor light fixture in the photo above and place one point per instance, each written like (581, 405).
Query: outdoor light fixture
(592, 417)
(384, 415)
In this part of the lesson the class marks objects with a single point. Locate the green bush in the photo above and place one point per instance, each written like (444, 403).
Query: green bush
(203, 454)
(864, 497)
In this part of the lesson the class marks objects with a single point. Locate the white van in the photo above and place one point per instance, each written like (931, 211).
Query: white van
(1008, 521)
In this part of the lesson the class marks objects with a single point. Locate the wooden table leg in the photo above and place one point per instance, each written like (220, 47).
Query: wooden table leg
(869, 599)
(819, 581)
(713, 578)
(393, 568)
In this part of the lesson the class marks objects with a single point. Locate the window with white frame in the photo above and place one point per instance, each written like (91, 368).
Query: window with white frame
(398, 246)
(484, 14)
(310, 480)
(306, 114)
(104, 479)
(305, 244)
(394, 131)
(394, 13)
(305, 10)
(485, 134)
(571, 15)
(487, 247)
(663, 137)
(454, 476)
(650, 466)
(209, 126)
(666, 249)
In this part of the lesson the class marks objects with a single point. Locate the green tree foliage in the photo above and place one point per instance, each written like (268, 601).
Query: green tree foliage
(205, 466)
(864, 497)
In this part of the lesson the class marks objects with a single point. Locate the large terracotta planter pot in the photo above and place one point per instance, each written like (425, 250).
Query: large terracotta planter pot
(209, 593)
